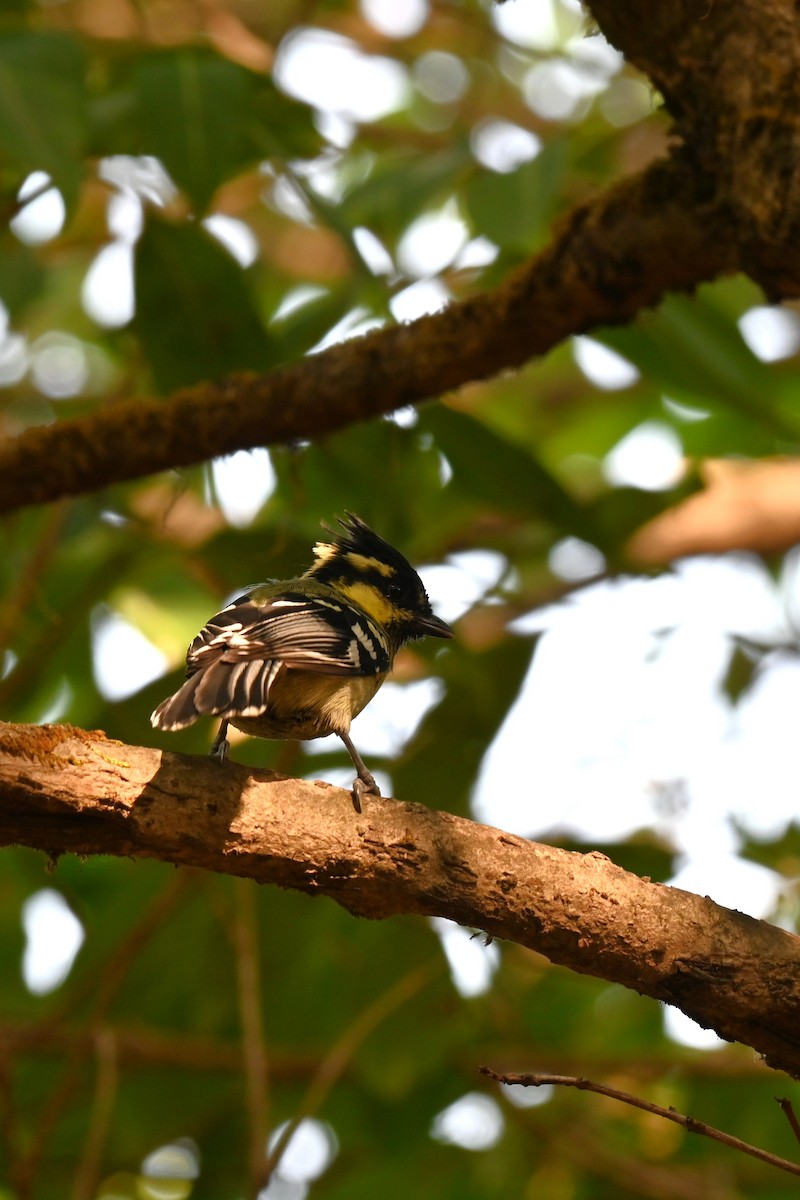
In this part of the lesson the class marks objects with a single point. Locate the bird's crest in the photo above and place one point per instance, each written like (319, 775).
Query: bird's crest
(358, 548)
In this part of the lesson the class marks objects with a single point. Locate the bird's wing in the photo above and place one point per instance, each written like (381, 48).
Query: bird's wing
(309, 633)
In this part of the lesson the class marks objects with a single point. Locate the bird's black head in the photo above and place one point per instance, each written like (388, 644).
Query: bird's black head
(367, 570)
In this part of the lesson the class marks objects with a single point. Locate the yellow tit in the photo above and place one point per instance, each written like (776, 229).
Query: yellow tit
(300, 658)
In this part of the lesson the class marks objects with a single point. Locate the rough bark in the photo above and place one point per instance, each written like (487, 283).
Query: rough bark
(726, 198)
(609, 258)
(67, 791)
(730, 75)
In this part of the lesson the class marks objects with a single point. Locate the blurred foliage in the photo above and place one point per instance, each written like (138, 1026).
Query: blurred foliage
(249, 227)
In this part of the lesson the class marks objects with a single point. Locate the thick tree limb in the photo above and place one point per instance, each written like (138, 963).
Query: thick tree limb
(727, 198)
(621, 252)
(730, 75)
(67, 791)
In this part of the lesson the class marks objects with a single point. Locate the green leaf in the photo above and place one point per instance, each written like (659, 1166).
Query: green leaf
(194, 108)
(498, 472)
(340, 473)
(743, 666)
(43, 106)
(280, 126)
(445, 754)
(23, 276)
(293, 335)
(400, 188)
(194, 312)
(695, 352)
(619, 512)
(514, 210)
(780, 853)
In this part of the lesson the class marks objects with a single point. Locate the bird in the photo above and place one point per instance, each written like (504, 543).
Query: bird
(300, 658)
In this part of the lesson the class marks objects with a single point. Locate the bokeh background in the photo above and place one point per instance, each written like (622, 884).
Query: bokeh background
(194, 187)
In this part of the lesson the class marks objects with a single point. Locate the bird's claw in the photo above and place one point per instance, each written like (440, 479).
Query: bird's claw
(220, 750)
(220, 746)
(364, 785)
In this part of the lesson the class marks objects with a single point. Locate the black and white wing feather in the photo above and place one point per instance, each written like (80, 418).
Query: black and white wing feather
(234, 660)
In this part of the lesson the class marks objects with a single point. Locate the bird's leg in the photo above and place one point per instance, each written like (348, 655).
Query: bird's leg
(364, 784)
(221, 745)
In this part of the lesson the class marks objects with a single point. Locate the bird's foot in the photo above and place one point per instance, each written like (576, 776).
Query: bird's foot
(363, 785)
(221, 746)
(220, 750)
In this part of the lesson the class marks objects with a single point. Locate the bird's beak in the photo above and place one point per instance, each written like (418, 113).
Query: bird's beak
(432, 626)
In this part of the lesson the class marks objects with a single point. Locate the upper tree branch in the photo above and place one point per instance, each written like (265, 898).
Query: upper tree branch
(650, 234)
(63, 790)
(728, 197)
(729, 71)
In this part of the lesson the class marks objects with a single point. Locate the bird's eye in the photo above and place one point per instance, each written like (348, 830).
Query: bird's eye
(398, 592)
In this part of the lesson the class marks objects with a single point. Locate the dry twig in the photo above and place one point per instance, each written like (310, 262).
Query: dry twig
(690, 1124)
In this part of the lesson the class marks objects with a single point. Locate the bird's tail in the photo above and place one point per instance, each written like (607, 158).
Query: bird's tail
(180, 710)
(224, 689)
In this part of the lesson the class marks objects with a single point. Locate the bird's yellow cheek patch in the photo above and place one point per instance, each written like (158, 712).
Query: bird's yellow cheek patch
(370, 599)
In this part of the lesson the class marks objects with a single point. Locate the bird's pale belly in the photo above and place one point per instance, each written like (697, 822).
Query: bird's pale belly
(304, 705)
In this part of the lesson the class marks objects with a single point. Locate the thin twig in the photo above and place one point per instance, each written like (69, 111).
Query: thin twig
(144, 1046)
(21, 683)
(9, 1132)
(105, 1091)
(341, 1053)
(255, 1060)
(791, 1116)
(102, 992)
(12, 208)
(178, 888)
(28, 580)
(149, 1046)
(669, 1114)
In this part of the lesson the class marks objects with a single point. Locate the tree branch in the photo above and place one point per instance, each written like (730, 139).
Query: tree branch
(611, 257)
(84, 1185)
(255, 1058)
(102, 988)
(727, 198)
(787, 1108)
(336, 1061)
(730, 76)
(64, 790)
(690, 1124)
